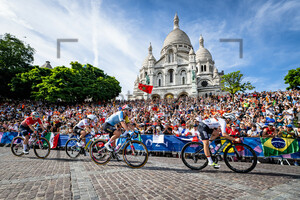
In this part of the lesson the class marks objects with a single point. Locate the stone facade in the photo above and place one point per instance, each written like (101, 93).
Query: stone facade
(179, 71)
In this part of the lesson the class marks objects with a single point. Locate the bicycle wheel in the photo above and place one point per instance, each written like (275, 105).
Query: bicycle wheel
(72, 148)
(16, 146)
(240, 158)
(41, 148)
(99, 154)
(135, 154)
(192, 155)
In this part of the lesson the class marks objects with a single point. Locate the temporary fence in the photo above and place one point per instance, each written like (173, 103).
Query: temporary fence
(170, 143)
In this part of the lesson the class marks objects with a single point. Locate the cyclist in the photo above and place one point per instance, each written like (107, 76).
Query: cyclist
(84, 127)
(120, 117)
(26, 128)
(213, 127)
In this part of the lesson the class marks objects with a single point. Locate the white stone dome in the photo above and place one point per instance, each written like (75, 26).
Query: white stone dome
(149, 57)
(202, 53)
(177, 36)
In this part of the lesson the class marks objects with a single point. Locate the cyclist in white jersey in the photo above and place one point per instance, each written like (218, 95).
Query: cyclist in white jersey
(213, 126)
(84, 127)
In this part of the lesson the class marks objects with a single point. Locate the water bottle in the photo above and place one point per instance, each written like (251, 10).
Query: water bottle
(212, 148)
(218, 146)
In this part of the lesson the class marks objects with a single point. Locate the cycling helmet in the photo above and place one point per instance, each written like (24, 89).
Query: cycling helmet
(92, 117)
(229, 116)
(35, 114)
(126, 107)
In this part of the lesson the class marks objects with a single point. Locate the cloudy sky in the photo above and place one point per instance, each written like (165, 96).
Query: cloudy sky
(114, 35)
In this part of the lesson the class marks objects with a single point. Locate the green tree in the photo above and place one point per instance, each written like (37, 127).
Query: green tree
(77, 83)
(232, 83)
(15, 57)
(293, 79)
(24, 84)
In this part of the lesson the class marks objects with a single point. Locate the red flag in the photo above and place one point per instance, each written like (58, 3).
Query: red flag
(146, 88)
(55, 141)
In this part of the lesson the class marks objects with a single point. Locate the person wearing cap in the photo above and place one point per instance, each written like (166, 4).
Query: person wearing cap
(279, 120)
(183, 131)
(270, 119)
(288, 132)
(270, 131)
(120, 117)
(194, 131)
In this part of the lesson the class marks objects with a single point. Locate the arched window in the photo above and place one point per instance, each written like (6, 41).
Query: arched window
(159, 79)
(170, 56)
(201, 68)
(205, 68)
(183, 77)
(171, 72)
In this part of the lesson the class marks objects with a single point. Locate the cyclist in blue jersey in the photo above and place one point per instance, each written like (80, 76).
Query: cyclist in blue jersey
(120, 117)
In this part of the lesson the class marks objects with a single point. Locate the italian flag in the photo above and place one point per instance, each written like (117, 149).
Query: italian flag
(53, 139)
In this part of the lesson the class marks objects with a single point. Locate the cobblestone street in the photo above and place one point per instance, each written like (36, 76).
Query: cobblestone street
(59, 177)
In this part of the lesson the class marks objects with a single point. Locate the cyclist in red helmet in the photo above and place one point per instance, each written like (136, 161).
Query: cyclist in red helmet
(26, 128)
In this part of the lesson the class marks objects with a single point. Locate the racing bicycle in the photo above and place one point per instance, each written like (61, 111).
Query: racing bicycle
(238, 157)
(40, 145)
(72, 148)
(135, 153)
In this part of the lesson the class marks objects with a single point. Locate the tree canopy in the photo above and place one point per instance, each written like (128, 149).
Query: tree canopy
(73, 84)
(15, 57)
(19, 79)
(293, 79)
(232, 83)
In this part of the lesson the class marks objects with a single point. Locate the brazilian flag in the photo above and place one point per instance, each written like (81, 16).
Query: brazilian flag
(279, 146)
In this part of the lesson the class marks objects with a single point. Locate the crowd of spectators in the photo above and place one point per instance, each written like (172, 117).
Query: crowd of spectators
(267, 114)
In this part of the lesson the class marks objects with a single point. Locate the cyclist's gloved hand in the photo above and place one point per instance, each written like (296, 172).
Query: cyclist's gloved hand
(93, 133)
(130, 133)
(43, 132)
(125, 133)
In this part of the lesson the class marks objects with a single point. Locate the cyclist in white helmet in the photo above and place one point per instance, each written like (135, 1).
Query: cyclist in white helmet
(120, 117)
(210, 129)
(84, 127)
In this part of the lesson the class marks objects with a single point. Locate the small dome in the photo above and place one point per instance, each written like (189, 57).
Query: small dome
(149, 57)
(177, 36)
(202, 54)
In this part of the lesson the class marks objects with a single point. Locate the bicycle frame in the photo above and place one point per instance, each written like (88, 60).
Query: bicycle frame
(128, 139)
(222, 147)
